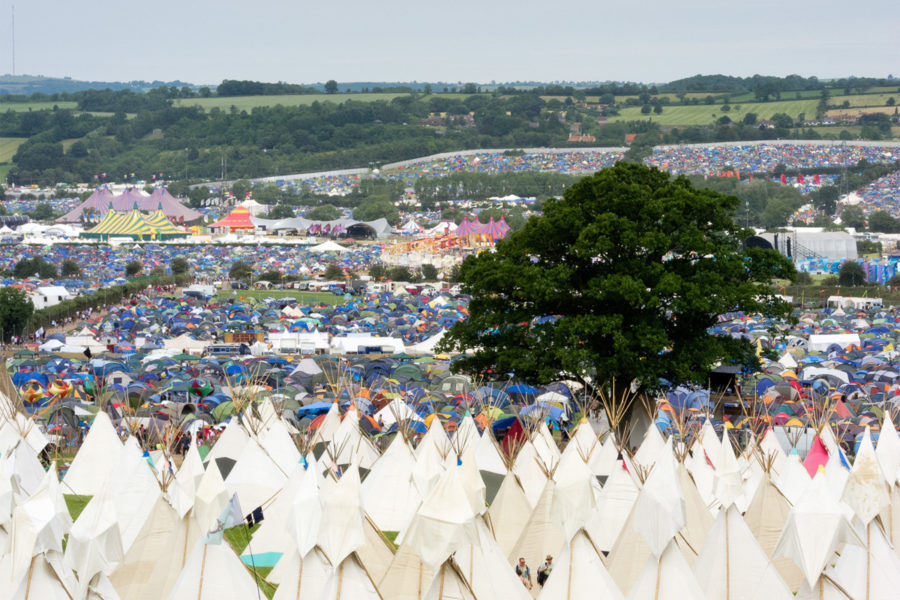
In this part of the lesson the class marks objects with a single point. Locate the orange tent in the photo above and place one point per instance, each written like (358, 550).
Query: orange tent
(237, 219)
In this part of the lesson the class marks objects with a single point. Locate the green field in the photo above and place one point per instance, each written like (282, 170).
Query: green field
(251, 102)
(864, 99)
(25, 106)
(310, 298)
(705, 114)
(8, 147)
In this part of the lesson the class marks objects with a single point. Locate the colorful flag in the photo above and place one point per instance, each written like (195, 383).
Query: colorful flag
(231, 516)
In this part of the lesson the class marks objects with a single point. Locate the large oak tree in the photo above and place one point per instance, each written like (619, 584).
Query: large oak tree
(621, 278)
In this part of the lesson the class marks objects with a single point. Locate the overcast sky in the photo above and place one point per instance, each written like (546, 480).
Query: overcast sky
(300, 41)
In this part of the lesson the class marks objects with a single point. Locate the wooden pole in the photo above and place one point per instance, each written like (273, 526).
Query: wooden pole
(299, 577)
(28, 585)
(340, 581)
(868, 556)
(727, 561)
(569, 584)
(441, 590)
(419, 590)
(658, 572)
(202, 568)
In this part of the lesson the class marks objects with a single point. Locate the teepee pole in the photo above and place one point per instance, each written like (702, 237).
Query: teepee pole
(299, 578)
(658, 573)
(868, 556)
(419, 590)
(727, 560)
(569, 583)
(28, 585)
(202, 568)
(340, 580)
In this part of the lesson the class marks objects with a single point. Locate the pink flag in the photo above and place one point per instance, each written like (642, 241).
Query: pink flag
(818, 456)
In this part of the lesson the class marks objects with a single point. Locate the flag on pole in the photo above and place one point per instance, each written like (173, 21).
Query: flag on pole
(231, 516)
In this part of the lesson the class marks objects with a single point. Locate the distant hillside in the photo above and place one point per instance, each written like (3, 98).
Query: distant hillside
(31, 84)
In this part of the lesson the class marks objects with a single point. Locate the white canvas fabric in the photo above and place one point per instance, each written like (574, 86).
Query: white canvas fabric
(509, 513)
(407, 578)
(444, 522)
(449, 584)
(159, 552)
(667, 577)
(697, 518)
(279, 447)
(273, 534)
(485, 568)
(304, 516)
(732, 565)
(728, 480)
(213, 572)
(869, 572)
(341, 526)
(255, 477)
(888, 450)
(487, 454)
(210, 498)
(531, 475)
(329, 425)
(866, 491)
(615, 503)
(38, 525)
(95, 543)
(304, 579)
(792, 479)
(435, 440)
(574, 496)
(815, 527)
(230, 443)
(579, 574)
(659, 509)
(96, 460)
(45, 578)
(349, 445)
(766, 517)
(350, 580)
(541, 535)
(890, 518)
(650, 448)
(389, 493)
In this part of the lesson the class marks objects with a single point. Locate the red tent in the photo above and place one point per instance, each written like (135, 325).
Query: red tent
(237, 219)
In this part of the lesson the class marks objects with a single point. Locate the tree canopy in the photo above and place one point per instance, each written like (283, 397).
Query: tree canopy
(621, 278)
(15, 309)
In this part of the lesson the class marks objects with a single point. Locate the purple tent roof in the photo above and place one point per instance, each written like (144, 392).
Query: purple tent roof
(102, 198)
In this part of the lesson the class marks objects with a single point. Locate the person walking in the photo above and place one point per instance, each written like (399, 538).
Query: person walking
(524, 573)
(544, 571)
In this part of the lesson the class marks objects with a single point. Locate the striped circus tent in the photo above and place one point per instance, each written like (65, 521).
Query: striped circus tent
(161, 224)
(135, 225)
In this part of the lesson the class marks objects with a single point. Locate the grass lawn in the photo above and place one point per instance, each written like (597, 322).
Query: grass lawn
(251, 102)
(865, 99)
(26, 106)
(704, 114)
(310, 298)
(4, 170)
(76, 504)
(8, 147)
(239, 537)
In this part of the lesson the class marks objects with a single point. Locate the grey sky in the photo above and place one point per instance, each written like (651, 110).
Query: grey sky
(205, 41)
